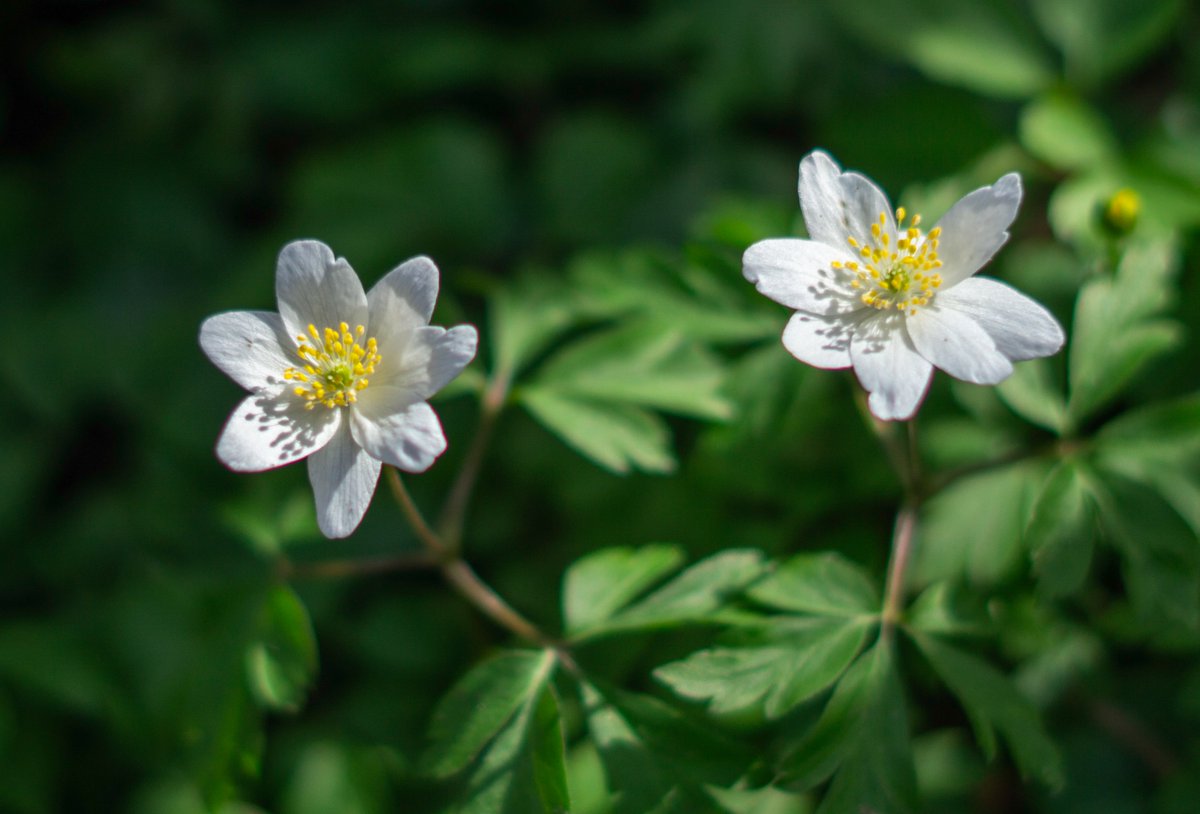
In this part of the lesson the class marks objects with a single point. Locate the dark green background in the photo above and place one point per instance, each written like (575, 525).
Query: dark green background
(156, 156)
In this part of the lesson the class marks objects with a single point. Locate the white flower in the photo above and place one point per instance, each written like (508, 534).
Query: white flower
(338, 376)
(892, 301)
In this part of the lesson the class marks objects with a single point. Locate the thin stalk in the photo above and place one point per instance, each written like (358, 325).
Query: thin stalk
(461, 576)
(902, 548)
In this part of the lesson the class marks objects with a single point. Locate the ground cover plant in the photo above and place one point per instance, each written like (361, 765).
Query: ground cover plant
(643, 407)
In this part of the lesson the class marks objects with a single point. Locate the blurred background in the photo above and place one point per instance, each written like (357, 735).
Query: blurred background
(154, 157)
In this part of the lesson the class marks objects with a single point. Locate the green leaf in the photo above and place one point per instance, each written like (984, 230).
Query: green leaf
(826, 584)
(979, 45)
(1030, 393)
(480, 704)
(525, 316)
(653, 753)
(282, 663)
(992, 702)
(603, 582)
(618, 437)
(1062, 530)
(1065, 132)
(640, 363)
(549, 754)
(1115, 331)
(1100, 38)
(1158, 445)
(795, 663)
(861, 739)
(941, 608)
(1160, 553)
(695, 596)
(974, 527)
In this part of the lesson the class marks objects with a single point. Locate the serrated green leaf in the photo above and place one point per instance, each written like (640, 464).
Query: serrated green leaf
(1115, 330)
(826, 584)
(501, 780)
(1062, 530)
(980, 45)
(618, 437)
(993, 702)
(654, 756)
(549, 754)
(1160, 553)
(1065, 132)
(862, 739)
(694, 596)
(282, 663)
(1030, 393)
(796, 663)
(1099, 38)
(603, 582)
(1158, 445)
(643, 363)
(974, 527)
(525, 317)
(479, 706)
(942, 609)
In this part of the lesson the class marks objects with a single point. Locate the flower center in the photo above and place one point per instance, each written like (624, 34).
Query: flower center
(335, 366)
(896, 277)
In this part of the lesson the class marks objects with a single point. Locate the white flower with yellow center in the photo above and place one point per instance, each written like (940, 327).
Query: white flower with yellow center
(872, 290)
(338, 376)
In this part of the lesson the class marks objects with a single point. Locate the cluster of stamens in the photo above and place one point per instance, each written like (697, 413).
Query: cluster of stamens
(336, 365)
(901, 277)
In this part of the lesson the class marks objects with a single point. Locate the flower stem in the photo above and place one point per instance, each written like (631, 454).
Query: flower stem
(461, 576)
(902, 547)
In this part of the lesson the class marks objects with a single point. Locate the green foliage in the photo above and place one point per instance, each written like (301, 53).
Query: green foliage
(177, 638)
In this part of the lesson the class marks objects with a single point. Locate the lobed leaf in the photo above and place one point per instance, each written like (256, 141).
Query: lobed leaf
(825, 584)
(1062, 530)
(618, 437)
(603, 582)
(282, 663)
(796, 664)
(993, 702)
(481, 704)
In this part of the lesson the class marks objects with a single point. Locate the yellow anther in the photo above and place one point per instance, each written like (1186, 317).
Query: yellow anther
(901, 213)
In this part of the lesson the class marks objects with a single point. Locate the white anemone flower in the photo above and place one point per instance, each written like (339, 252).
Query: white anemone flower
(338, 376)
(872, 290)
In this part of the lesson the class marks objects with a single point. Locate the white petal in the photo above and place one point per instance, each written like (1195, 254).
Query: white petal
(417, 366)
(270, 429)
(314, 288)
(406, 295)
(822, 342)
(798, 273)
(838, 204)
(410, 439)
(976, 227)
(343, 478)
(248, 346)
(889, 367)
(1020, 327)
(958, 345)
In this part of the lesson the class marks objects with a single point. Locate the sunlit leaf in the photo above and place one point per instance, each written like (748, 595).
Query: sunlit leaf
(794, 663)
(605, 581)
(1062, 530)
(825, 584)
(618, 437)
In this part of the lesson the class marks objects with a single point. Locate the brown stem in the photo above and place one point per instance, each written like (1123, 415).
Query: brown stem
(902, 546)
(460, 575)
(450, 522)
